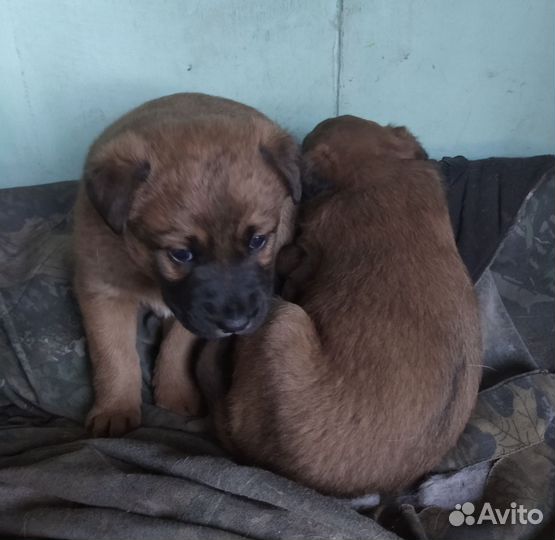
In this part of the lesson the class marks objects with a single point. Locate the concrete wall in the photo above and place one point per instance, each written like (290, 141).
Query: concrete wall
(474, 77)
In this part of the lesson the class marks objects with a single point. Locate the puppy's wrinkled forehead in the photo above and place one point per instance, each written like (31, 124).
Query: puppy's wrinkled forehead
(210, 193)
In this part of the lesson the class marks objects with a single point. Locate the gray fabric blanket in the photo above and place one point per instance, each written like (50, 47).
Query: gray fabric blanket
(169, 479)
(152, 485)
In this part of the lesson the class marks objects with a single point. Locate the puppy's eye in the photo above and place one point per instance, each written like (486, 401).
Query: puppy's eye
(257, 242)
(180, 256)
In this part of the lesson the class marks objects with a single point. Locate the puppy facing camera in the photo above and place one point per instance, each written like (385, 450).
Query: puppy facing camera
(184, 205)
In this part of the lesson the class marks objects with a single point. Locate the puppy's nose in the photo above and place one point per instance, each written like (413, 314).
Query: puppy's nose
(234, 325)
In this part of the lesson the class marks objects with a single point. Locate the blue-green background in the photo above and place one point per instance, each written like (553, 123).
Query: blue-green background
(473, 77)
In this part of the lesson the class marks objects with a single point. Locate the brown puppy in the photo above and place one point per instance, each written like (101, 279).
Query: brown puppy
(185, 202)
(367, 382)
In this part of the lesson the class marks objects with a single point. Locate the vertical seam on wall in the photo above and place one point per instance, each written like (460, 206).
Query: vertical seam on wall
(339, 54)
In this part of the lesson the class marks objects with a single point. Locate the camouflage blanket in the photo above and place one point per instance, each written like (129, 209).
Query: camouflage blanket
(170, 479)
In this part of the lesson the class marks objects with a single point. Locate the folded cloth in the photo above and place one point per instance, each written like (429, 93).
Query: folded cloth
(484, 197)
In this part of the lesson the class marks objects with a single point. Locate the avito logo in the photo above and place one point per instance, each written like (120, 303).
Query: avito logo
(464, 515)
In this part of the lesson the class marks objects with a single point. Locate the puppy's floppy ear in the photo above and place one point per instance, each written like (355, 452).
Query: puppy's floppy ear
(112, 174)
(407, 144)
(282, 153)
(317, 172)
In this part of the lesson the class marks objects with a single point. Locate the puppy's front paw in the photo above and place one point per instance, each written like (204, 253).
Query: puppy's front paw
(185, 402)
(113, 422)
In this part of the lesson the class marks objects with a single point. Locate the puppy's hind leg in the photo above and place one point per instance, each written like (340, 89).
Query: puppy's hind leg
(174, 385)
(213, 373)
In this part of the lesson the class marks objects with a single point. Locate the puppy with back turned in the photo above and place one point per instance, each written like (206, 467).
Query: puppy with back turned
(369, 378)
(184, 203)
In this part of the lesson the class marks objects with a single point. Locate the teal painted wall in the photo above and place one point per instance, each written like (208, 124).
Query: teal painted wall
(473, 77)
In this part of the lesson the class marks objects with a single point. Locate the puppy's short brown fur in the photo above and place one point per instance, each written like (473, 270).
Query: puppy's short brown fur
(184, 203)
(367, 382)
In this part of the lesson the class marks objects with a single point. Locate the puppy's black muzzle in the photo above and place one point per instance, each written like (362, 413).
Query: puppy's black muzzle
(215, 301)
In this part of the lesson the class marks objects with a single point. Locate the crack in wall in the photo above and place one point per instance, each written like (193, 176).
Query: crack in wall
(339, 54)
